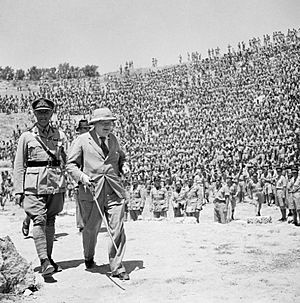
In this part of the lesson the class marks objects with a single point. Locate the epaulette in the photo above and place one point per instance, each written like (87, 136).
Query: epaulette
(30, 128)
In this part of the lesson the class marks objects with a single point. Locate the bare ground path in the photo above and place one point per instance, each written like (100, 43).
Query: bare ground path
(172, 262)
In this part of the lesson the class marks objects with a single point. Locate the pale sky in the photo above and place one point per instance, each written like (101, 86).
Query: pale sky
(108, 33)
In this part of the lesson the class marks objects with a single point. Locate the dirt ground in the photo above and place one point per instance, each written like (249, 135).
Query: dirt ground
(172, 262)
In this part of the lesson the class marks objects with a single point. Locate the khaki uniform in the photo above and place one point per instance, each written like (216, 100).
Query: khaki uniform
(296, 192)
(32, 178)
(194, 201)
(41, 179)
(159, 203)
(136, 203)
(289, 194)
(280, 188)
(178, 203)
(220, 207)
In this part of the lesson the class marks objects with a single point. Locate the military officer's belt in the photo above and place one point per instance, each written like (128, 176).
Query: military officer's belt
(43, 163)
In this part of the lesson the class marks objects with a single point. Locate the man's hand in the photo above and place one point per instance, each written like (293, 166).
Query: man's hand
(19, 199)
(85, 179)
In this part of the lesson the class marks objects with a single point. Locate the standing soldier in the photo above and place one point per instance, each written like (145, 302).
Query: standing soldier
(39, 176)
(177, 199)
(221, 202)
(289, 194)
(280, 189)
(194, 199)
(256, 185)
(83, 127)
(159, 203)
(241, 188)
(267, 181)
(232, 187)
(295, 190)
(136, 201)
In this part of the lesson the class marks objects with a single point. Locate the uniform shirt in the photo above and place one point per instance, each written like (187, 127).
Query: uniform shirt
(222, 193)
(280, 183)
(136, 199)
(159, 201)
(42, 179)
(296, 185)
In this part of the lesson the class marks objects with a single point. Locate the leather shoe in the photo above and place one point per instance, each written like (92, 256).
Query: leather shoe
(46, 267)
(121, 276)
(25, 229)
(57, 268)
(89, 263)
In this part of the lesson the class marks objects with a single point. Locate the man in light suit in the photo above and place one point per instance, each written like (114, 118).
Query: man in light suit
(97, 156)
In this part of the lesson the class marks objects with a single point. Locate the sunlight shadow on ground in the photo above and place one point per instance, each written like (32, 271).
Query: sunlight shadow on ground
(130, 266)
(59, 235)
(65, 264)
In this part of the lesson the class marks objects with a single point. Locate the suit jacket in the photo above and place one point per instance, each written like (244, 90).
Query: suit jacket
(86, 155)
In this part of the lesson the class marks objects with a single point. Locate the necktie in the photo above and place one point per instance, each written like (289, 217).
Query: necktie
(104, 147)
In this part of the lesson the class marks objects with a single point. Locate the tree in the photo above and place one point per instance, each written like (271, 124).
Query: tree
(90, 70)
(20, 74)
(34, 73)
(64, 70)
(7, 73)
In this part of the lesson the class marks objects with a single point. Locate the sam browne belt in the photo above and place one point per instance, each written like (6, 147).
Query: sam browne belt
(43, 163)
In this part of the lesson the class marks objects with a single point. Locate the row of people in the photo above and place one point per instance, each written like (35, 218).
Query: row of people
(213, 113)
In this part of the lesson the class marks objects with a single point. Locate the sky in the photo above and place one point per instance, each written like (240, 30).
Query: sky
(107, 33)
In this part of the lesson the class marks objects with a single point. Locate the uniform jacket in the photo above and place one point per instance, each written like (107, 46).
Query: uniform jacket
(178, 199)
(136, 199)
(194, 198)
(86, 156)
(159, 199)
(43, 179)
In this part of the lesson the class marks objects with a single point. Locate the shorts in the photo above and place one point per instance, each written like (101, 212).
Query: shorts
(280, 198)
(296, 200)
(258, 197)
(289, 201)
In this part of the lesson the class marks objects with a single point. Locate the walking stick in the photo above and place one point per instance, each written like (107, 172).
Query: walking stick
(92, 188)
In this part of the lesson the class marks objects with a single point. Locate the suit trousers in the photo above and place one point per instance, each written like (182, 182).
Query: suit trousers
(112, 208)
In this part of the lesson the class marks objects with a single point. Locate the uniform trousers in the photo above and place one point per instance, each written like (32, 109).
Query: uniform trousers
(220, 212)
(112, 208)
(42, 210)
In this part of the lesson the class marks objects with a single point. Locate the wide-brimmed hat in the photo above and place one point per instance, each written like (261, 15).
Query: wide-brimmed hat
(83, 124)
(42, 103)
(102, 114)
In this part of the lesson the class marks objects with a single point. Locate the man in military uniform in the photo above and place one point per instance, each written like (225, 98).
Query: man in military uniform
(39, 176)
(257, 188)
(221, 202)
(280, 191)
(194, 198)
(232, 187)
(82, 127)
(159, 203)
(136, 201)
(289, 194)
(295, 191)
(177, 199)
